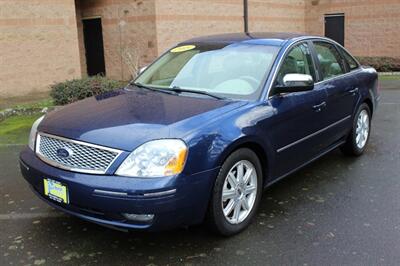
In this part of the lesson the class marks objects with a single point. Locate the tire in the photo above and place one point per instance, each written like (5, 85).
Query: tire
(236, 190)
(353, 146)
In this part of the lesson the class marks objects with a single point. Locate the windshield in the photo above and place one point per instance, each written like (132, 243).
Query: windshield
(235, 71)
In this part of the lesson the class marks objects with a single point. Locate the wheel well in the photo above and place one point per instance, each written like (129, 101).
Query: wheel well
(370, 105)
(259, 151)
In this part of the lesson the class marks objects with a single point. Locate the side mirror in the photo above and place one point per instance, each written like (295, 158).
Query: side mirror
(295, 83)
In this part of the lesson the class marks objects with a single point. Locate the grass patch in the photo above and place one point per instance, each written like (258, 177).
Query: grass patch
(389, 77)
(34, 105)
(40, 104)
(15, 129)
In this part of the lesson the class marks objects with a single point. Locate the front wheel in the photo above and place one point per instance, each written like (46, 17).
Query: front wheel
(358, 138)
(236, 194)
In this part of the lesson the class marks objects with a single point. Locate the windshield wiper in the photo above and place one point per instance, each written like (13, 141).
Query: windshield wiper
(180, 90)
(140, 85)
(175, 89)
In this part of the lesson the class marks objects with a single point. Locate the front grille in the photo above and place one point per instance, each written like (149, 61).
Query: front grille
(84, 157)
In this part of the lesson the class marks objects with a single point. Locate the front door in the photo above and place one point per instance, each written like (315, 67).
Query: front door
(93, 37)
(334, 27)
(296, 117)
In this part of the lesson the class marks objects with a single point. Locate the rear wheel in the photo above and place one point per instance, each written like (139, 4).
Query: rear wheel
(236, 194)
(358, 138)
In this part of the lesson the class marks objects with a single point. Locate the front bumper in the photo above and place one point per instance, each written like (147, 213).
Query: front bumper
(174, 201)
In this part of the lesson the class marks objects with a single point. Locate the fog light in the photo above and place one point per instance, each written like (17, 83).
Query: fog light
(138, 217)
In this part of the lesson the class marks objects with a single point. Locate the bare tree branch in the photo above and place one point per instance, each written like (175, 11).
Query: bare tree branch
(131, 56)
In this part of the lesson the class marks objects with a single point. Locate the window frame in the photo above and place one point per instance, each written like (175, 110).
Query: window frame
(342, 60)
(310, 46)
(342, 52)
(310, 40)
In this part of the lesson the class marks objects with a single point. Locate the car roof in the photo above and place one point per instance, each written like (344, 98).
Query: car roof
(265, 38)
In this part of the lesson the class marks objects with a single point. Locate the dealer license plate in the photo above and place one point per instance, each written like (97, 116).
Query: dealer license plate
(56, 191)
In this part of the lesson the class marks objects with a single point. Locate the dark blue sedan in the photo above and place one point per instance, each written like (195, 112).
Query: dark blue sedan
(202, 131)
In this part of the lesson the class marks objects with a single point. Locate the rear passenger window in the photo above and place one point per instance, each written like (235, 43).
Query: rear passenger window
(350, 60)
(329, 59)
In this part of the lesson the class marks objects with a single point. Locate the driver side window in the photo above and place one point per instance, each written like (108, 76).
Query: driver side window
(297, 61)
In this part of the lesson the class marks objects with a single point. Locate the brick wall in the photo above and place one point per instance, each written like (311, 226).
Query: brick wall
(81, 44)
(38, 45)
(276, 15)
(371, 26)
(178, 20)
(128, 26)
(41, 41)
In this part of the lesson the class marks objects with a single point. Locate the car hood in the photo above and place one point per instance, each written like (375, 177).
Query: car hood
(125, 119)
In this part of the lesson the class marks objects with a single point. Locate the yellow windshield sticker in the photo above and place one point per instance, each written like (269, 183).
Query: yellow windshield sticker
(184, 48)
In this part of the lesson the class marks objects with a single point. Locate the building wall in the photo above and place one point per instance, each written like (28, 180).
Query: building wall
(38, 45)
(41, 41)
(178, 20)
(276, 15)
(81, 44)
(128, 27)
(371, 26)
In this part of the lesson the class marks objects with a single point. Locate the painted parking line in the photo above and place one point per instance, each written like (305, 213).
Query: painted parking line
(22, 216)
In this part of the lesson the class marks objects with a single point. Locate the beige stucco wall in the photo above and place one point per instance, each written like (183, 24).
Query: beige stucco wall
(371, 26)
(38, 45)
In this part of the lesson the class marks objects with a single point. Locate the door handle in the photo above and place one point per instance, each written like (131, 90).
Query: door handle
(353, 91)
(319, 107)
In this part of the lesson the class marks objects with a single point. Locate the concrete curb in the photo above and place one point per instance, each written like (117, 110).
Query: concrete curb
(23, 111)
(389, 73)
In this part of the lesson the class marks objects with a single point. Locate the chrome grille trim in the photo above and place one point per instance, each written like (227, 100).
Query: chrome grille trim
(89, 158)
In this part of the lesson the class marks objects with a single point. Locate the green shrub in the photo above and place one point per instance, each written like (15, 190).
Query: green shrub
(381, 64)
(78, 89)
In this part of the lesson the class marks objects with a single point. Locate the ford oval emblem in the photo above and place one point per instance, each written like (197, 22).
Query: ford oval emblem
(64, 152)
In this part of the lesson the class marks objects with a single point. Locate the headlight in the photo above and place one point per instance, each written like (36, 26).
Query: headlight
(157, 158)
(32, 135)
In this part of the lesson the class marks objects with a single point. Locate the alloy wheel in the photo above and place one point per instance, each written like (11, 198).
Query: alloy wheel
(239, 192)
(362, 130)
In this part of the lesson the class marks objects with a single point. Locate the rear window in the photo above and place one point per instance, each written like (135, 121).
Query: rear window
(349, 59)
(331, 63)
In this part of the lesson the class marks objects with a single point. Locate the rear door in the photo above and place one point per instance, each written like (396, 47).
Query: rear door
(295, 121)
(341, 90)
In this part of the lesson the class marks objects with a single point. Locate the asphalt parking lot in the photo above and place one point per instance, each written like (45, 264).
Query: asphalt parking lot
(337, 211)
